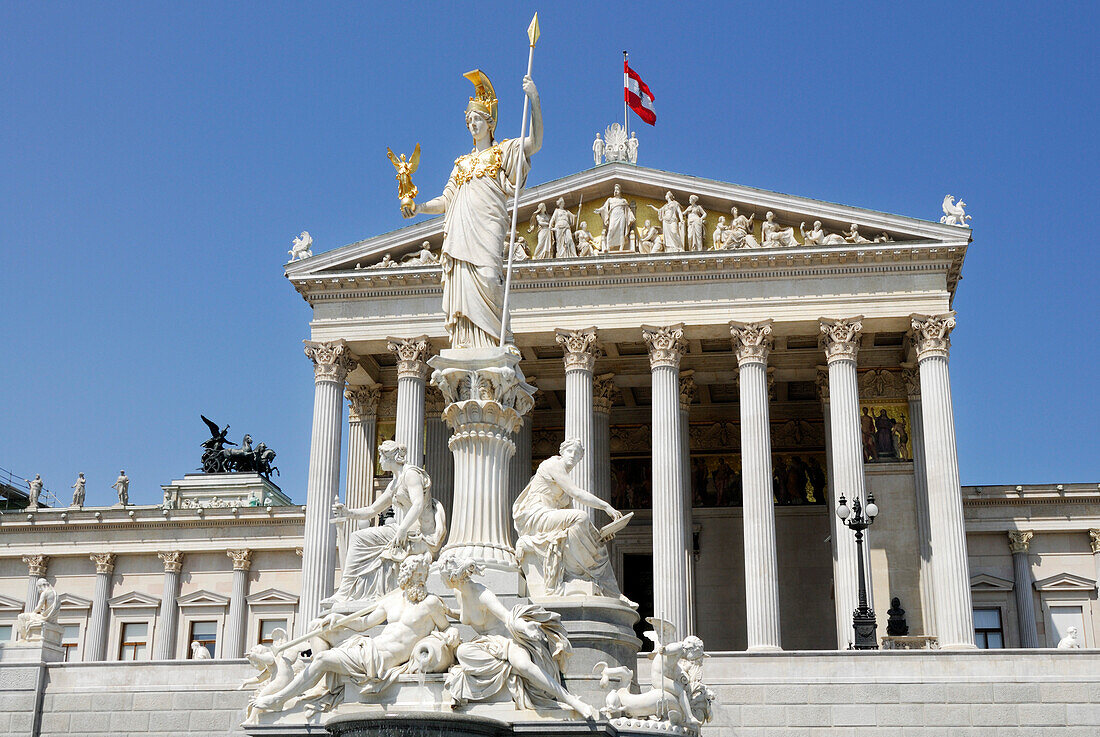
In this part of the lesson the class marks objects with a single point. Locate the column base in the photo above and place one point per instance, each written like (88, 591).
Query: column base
(764, 649)
(959, 646)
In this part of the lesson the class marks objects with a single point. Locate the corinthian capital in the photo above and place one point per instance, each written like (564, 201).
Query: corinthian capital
(604, 392)
(412, 356)
(242, 559)
(666, 344)
(1019, 540)
(688, 389)
(104, 562)
(932, 334)
(173, 561)
(840, 338)
(362, 401)
(581, 348)
(36, 564)
(331, 361)
(752, 341)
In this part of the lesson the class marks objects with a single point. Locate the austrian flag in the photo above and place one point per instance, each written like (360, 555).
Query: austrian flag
(638, 96)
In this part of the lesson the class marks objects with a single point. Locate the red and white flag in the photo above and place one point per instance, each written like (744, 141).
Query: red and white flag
(638, 97)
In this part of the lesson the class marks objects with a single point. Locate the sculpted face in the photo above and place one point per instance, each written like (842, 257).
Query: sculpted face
(618, 190)
(477, 125)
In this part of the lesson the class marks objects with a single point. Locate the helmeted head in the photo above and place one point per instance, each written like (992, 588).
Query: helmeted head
(482, 106)
(560, 202)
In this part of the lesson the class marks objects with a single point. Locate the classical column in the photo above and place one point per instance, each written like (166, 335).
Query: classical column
(96, 640)
(840, 339)
(604, 392)
(581, 350)
(164, 640)
(670, 588)
(920, 476)
(687, 396)
(36, 571)
(237, 623)
(438, 462)
(954, 612)
(843, 626)
(519, 472)
(1094, 541)
(331, 364)
(362, 431)
(412, 372)
(1019, 541)
(752, 342)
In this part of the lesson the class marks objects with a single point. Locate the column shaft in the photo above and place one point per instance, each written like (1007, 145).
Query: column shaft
(164, 641)
(924, 534)
(581, 350)
(954, 610)
(439, 462)
(412, 372)
(1019, 542)
(362, 431)
(670, 588)
(237, 622)
(687, 395)
(99, 618)
(331, 362)
(519, 472)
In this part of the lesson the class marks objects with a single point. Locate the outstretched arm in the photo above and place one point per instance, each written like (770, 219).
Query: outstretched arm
(533, 142)
(577, 493)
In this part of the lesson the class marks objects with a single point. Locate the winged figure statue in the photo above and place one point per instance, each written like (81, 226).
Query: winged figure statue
(406, 190)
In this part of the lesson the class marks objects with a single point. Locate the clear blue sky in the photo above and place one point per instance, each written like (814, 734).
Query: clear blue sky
(157, 159)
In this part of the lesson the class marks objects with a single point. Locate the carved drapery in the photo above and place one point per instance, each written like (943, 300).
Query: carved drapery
(332, 361)
(840, 337)
(362, 401)
(752, 341)
(931, 334)
(242, 559)
(581, 347)
(604, 393)
(173, 560)
(104, 562)
(412, 356)
(666, 344)
(36, 564)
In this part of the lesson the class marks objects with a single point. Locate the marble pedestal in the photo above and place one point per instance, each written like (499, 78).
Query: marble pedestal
(43, 647)
(600, 629)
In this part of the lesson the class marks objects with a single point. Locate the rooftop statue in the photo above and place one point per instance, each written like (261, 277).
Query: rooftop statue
(774, 235)
(28, 625)
(954, 212)
(632, 149)
(818, 237)
(618, 221)
(476, 220)
(696, 224)
(561, 224)
(583, 239)
(853, 235)
(216, 458)
(650, 241)
(616, 145)
(544, 240)
(671, 216)
(35, 487)
(740, 233)
(301, 247)
(122, 486)
(78, 492)
(417, 527)
(570, 553)
(524, 649)
(597, 150)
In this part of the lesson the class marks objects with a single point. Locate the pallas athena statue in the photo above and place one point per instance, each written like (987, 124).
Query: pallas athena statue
(476, 222)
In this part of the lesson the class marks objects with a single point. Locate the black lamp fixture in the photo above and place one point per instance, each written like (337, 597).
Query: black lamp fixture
(858, 519)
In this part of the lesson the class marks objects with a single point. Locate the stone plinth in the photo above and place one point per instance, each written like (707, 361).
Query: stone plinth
(486, 397)
(42, 646)
(413, 724)
(600, 629)
(207, 490)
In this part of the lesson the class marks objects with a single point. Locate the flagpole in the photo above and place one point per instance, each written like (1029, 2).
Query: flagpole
(533, 36)
(626, 110)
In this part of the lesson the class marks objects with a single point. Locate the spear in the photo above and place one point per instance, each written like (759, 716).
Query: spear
(533, 36)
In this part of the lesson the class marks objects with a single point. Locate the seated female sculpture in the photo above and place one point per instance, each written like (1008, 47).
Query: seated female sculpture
(418, 526)
(561, 536)
(28, 625)
(523, 650)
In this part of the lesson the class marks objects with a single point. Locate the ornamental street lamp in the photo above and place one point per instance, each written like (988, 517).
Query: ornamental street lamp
(863, 618)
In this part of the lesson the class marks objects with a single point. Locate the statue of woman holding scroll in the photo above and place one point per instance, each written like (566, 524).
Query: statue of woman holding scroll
(475, 208)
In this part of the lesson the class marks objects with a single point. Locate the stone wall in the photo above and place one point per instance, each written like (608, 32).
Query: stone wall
(800, 694)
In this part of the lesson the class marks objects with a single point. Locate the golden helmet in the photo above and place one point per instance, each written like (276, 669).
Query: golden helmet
(485, 97)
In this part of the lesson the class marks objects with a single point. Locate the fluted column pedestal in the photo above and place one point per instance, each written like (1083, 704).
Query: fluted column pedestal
(751, 344)
(237, 622)
(670, 586)
(581, 350)
(36, 571)
(95, 642)
(362, 431)
(164, 640)
(920, 477)
(954, 610)
(486, 400)
(1019, 543)
(412, 372)
(438, 461)
(840, 339)
(331, 364)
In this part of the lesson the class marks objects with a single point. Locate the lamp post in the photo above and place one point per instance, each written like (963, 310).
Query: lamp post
(863, 618)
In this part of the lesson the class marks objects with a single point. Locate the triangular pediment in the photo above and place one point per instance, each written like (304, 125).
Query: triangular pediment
(133, 600)
(399, 252)
(271, 596)
(986, 582)
(1066, 582)
(8, 604)
(204, 599)
(71, 601)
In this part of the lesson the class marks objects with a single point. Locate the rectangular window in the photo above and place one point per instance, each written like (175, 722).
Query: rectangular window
(206, 634)
(267, 630)
(5, 632)
(135, 641)
(988, 634)
(70, 641)
(1063, 617)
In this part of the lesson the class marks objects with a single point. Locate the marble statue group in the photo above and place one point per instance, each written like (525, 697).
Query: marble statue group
(416, 596)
